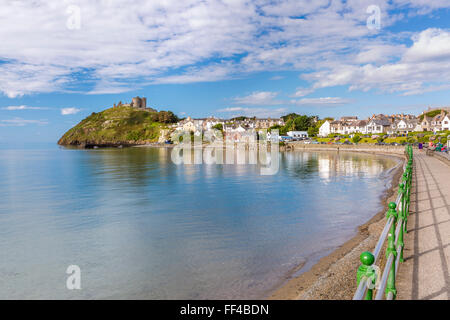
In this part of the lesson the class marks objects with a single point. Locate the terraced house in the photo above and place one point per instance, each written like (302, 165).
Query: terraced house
(404, 126)
(376, 126)
(267, 123)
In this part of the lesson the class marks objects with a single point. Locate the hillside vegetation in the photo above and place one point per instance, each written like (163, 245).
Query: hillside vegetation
(431, 114)
(118, 126)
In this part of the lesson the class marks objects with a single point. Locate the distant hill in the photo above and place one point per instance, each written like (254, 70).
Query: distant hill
(122, 125)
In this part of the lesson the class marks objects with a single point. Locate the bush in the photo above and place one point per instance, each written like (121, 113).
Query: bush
(356, 139)
(134, 136)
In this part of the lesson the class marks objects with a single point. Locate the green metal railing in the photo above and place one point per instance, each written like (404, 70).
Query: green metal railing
(368, 274)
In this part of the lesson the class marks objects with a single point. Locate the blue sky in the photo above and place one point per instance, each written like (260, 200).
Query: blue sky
(62, 60)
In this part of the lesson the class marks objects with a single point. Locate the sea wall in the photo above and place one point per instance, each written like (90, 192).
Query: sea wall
(441, 156)
(397, 150)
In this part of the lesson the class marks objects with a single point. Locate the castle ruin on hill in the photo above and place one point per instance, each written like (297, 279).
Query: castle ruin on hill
(136, 102)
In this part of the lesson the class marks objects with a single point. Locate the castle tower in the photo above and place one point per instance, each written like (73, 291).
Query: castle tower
(136, 102)
(144, 102)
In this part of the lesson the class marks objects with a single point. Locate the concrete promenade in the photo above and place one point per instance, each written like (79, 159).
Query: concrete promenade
(425, 274)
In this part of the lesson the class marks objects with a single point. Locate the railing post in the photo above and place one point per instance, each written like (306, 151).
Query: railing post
(366, 271)
(390, 287)
(405, 197)
(403, 218)
(408, 186)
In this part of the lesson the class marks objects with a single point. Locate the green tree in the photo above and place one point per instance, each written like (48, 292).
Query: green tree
(313, 131)
(296, 122)
(241, 118)
(290, 116)
(302, 123)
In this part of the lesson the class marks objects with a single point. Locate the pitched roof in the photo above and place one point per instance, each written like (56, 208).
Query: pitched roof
(381, 122)
(361, 123)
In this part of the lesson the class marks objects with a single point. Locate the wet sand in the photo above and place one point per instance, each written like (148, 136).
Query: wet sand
(334, 276)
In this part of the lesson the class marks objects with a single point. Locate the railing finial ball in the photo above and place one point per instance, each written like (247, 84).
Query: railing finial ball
(367, 258)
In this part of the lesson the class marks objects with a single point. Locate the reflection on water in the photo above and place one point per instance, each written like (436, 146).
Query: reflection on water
(330, 165)
(141, 227)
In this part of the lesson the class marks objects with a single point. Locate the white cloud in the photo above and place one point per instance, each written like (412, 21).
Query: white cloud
(379, 53)
(19, 122)
(253, 112)
(326, 101)
(429, 45)
(69, 111)
(121, 47)
(301, 92)
(275, 78)
(424, 6)
(259, 98)
(14, 108)
(423, 67)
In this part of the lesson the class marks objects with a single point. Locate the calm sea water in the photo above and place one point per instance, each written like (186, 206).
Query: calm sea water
(141, 227)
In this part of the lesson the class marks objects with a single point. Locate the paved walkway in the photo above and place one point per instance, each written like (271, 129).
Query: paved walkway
(425, 274)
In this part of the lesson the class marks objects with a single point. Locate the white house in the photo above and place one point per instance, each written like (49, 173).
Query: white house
(298, 134)
(446, 123)
(378, 126)
(402, 126)
(418, 127)
(356, 126)
(325, 129)
(211, 122)
(189, 124)
(235, 133)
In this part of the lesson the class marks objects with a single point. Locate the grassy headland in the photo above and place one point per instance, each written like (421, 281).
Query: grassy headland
(118, 126)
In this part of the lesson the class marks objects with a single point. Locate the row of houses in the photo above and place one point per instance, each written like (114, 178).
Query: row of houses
(235, 129)
(394, 124)
(238, 129)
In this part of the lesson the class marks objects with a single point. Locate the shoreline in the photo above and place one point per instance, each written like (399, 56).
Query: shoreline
(333, 277)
